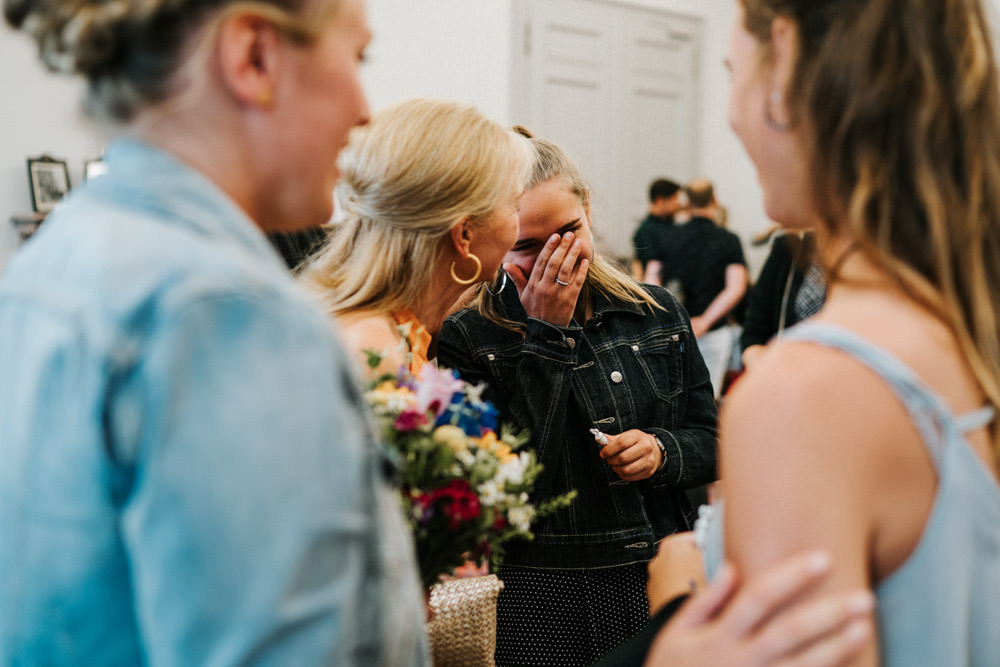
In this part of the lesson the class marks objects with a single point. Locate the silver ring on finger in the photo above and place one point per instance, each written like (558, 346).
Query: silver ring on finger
(560, 282)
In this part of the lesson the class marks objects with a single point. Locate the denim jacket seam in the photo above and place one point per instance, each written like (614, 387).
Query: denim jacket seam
(680, 458)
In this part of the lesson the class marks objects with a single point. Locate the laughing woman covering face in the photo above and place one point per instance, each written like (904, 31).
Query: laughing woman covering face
(572, 344)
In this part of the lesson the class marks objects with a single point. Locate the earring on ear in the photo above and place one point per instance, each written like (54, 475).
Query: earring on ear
(475, 276)
(503, 283)
(774, 99)
(265, 97)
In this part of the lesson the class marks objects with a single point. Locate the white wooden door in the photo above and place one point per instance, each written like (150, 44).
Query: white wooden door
(616, 86)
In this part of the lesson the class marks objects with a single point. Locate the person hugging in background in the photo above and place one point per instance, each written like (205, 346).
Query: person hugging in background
(429, 194)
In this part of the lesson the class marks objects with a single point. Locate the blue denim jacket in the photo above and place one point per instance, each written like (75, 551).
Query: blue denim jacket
(628, 367)
(186, 472)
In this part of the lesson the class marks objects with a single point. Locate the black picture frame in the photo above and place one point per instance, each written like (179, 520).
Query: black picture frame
(49, 180)
(94, 168)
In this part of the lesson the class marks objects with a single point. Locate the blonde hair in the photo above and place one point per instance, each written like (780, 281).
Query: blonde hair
(418, 169)
(137, 54)
(603, 277)
(899, 107)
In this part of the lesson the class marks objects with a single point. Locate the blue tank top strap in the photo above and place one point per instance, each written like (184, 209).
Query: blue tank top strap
(929, 413)
(970, 421)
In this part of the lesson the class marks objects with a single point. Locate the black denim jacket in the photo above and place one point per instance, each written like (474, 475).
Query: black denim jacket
(629, 366)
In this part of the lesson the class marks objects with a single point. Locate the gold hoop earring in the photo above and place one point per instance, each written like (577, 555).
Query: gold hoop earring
(265, 98)
(475, 276)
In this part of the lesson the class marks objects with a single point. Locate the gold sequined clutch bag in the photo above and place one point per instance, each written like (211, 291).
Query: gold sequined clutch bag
(463, 629)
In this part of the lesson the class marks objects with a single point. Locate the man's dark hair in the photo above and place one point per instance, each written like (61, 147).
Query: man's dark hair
(662, 188)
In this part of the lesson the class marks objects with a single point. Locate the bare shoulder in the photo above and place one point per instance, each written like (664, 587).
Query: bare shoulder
(800, 454)
(803, 393)
(375, 333)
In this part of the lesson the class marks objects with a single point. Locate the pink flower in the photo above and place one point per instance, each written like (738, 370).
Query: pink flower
(410, 420)
(435, 387)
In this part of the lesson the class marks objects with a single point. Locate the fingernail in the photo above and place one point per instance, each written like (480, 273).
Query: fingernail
(856, 632)
(554, 238)
(819, 561)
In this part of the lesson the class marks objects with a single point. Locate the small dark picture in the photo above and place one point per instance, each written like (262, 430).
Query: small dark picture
(49, 180)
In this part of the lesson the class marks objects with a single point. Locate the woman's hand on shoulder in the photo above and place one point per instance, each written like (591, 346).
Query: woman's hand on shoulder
(766, 623)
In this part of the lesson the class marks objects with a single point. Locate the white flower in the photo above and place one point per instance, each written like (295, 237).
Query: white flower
(490, 492)
(475, 394)
(513, 469)
(466, 458)
(520, 517)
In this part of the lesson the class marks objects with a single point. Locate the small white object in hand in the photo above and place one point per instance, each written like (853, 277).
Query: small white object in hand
(599, 437)
(700, 530)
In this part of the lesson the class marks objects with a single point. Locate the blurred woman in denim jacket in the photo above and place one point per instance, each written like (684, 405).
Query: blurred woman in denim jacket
(185, 472)
(574, 345)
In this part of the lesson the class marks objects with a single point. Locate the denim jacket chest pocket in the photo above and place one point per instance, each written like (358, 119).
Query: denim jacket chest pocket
(501, 361)
(660, 356)
(638, 379)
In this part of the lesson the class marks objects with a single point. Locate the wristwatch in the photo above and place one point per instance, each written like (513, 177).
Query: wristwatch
(663, 452)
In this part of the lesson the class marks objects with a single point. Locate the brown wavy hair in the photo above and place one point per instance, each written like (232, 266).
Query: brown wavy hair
(898, 105)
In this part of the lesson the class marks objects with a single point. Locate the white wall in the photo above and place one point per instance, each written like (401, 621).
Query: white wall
(40, 114)
(448, 48)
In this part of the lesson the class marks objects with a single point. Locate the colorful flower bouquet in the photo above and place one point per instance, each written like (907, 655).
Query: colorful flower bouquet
(465, 489)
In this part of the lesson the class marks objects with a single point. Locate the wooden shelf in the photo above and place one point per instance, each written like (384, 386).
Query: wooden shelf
(26, 223)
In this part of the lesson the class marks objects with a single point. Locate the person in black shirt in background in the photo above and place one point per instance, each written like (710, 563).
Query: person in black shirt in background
(704, 267)
(790, 288)
(655, 230)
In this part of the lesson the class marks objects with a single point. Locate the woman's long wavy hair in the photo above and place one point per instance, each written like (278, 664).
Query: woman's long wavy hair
(419, 168)
(897, 103)
(551, 161)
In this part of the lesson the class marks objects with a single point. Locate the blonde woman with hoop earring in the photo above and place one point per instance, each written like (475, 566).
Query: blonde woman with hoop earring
(429, 191)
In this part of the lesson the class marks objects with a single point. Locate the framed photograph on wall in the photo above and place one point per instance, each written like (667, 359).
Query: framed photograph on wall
(49, 179)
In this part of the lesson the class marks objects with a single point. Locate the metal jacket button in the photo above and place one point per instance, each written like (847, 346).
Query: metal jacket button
(571, 342)
(616, 377)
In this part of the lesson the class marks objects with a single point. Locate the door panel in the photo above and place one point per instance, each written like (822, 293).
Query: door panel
(616, 86)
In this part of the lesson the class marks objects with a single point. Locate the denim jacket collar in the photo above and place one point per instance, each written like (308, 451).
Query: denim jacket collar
(182, 194)
(601, 304)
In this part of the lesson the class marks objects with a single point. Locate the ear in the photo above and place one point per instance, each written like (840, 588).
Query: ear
(247, 49)
(461, 237)
(784, 57)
